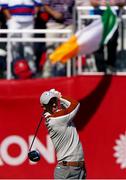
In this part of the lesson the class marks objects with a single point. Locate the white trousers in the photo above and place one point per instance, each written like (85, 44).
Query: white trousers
(22, 50)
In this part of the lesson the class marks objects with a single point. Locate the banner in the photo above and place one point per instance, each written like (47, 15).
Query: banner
(101, 123)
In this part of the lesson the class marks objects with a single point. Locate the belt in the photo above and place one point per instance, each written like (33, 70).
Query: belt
(74, 163)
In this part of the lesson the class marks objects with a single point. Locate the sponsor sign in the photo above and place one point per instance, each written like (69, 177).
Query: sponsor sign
(101, 123)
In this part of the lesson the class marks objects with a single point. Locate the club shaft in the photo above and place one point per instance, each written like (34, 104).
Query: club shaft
(36, 132)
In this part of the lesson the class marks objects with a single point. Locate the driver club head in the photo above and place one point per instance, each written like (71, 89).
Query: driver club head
(34, 155)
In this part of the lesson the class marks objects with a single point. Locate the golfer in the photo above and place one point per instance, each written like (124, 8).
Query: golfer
(59, 113)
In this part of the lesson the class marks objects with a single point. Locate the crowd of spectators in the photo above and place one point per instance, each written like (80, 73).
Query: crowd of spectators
(31, 60)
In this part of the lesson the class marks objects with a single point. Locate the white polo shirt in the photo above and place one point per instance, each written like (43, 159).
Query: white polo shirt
(21, 10)
(63, 133)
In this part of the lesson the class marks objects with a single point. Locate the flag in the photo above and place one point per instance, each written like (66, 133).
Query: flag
(88, 39)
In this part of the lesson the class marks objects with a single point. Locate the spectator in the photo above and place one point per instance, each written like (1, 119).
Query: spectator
(2, 46)
(61, 17)
(40, 47)
(102, 64)
(20, 15)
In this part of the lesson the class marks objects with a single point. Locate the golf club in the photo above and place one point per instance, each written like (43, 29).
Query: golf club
(34, 155)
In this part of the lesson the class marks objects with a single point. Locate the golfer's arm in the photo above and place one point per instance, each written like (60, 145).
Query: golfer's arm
(67, 114)
(69, 103)
(55, 14)
(121, 3)
(94, 3)
(7, 14)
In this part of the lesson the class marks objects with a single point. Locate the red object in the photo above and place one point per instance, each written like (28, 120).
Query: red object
(100, 122)
(22, 10)
(83, 61)
(22, 70)
(44, 16)
(42, 60)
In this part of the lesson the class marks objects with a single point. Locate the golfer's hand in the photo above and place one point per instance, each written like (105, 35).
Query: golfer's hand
(47, 115)
(57, 93)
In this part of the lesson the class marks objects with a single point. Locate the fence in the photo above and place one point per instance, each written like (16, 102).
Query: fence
(10, 39)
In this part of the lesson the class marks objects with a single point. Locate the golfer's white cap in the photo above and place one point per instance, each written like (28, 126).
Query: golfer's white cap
(46, 96)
